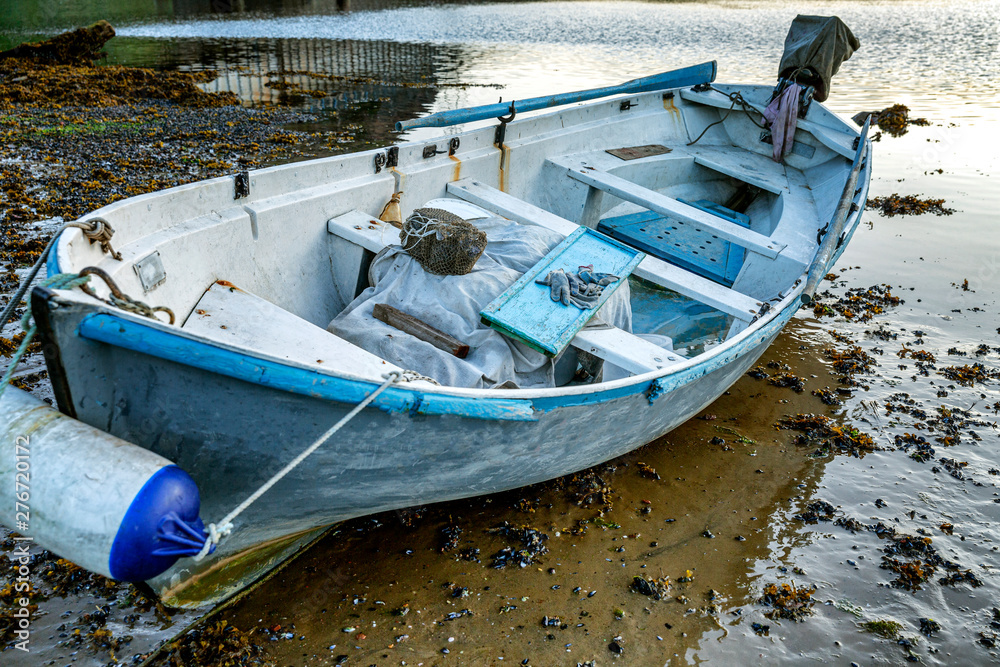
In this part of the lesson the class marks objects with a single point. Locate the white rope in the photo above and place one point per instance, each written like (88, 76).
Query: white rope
(417, 227)
(225, 527)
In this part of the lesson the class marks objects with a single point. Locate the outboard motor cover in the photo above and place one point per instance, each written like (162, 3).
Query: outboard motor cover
(814, 49)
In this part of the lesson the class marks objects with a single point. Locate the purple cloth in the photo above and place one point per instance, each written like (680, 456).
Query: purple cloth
(782, 114)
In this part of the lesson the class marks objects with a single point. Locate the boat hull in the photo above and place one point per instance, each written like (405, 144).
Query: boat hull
(231, 435)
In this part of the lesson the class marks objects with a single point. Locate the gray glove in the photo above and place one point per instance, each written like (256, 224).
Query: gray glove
(568, 288)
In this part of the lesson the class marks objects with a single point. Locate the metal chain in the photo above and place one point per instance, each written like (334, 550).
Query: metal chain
(96, 229)
(121, 300)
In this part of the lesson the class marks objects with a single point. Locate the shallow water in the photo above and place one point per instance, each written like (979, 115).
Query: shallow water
(940, 59)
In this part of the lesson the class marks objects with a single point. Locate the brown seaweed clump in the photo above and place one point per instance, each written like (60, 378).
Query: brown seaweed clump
(40, 84)
(793, 382)
(850, 361)
(217, 644)
(787, 601)
(894, 120)
(830, 436)
(60, 71)
(910, 575)
(969, 374)
(919, 355)
(859, 304)
(896, 204)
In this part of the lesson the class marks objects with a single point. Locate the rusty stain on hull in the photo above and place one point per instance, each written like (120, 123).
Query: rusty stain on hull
(458, 168)
(668, 104)
(504, 165)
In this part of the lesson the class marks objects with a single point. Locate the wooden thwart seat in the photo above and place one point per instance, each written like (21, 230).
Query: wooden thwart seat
(652, 269)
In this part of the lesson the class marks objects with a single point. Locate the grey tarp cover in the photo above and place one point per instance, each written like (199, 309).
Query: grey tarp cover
(821, 43)
(452, 304)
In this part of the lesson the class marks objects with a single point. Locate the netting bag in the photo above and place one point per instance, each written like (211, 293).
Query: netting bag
(442, 242)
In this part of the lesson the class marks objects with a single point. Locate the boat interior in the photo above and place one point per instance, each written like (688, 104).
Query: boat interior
(720, 230)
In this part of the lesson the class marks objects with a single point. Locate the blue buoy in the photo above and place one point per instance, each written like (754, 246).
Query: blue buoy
(160, 526)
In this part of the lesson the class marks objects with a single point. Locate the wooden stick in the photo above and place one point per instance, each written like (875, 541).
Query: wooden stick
(409, 324)
(828, 247)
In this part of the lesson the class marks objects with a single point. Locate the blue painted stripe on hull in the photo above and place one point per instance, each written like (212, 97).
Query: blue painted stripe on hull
(114, 330)
(123, 333)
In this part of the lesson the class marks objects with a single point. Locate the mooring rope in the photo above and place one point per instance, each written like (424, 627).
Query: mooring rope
(97, 230)
(216, 532)
(58, 281)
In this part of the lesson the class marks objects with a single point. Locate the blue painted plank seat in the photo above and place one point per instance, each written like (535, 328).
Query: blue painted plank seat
(683, 245)
(621, 348)
(652, 269)
(525, 311)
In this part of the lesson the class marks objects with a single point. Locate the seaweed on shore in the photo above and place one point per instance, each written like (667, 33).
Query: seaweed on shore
(851, 360)
(216, 644)
(789, 380)
(894, 120)
(859, 304)
(787, 601)
(830, 435)
(969, 374)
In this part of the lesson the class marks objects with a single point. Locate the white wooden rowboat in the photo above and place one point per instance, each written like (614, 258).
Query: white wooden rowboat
(255, 267)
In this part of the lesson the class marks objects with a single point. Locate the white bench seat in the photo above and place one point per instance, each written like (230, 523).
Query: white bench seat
(227, 314)
(583, 171)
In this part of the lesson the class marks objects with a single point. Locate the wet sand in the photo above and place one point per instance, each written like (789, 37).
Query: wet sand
(359, 576)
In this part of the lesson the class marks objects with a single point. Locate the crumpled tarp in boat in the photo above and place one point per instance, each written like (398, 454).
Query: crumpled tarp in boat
(452, 304)
(820, 43)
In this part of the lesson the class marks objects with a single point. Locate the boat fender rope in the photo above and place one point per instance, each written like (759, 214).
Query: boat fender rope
(58, 281)
(216, 532)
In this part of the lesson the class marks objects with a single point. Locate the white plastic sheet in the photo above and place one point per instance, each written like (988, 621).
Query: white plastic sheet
(452, 304)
